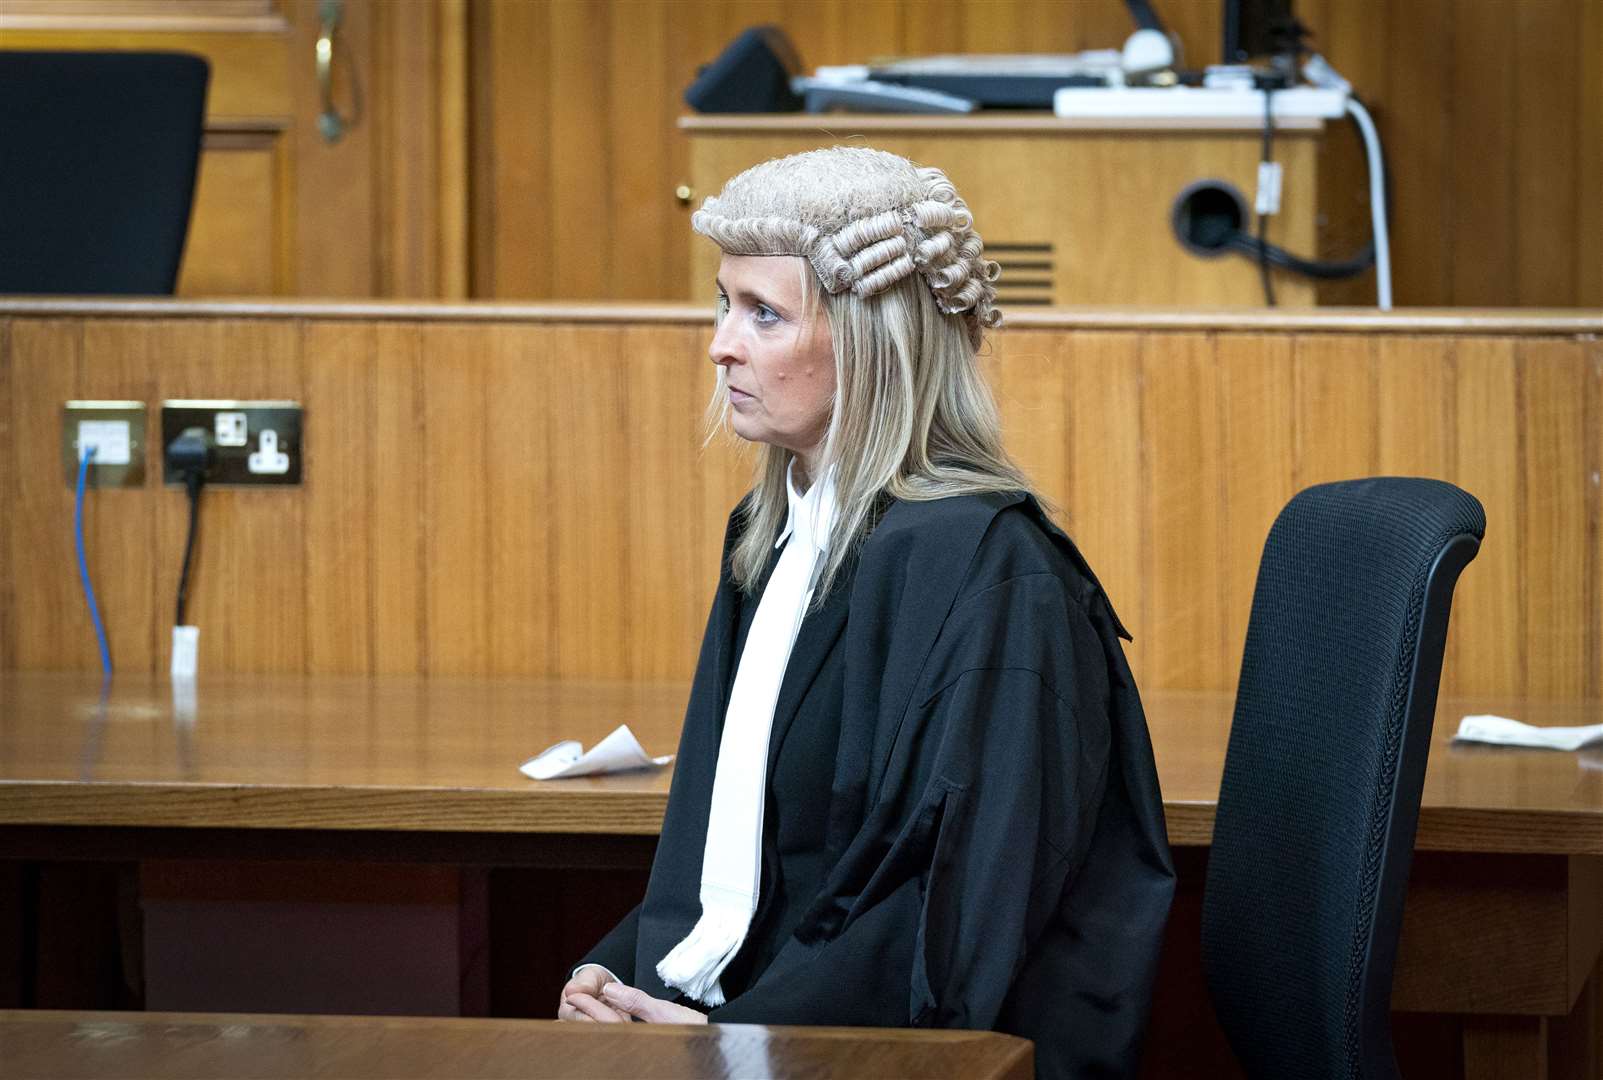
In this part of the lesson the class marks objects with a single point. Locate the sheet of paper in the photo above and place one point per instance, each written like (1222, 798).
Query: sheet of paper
(1501, 731)
(618, 752)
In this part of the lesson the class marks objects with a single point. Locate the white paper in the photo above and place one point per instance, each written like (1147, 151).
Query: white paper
(618, 752)
(1501, 731)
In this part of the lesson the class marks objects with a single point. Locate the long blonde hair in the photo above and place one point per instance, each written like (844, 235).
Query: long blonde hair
(913, 419)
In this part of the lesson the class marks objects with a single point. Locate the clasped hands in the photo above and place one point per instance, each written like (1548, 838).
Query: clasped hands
(594, 995)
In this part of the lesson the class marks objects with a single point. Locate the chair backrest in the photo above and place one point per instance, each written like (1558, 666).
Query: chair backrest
(100, 153)
(1322, 777)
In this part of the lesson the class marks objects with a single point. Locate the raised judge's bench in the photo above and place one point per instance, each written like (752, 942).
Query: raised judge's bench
(1077, 211)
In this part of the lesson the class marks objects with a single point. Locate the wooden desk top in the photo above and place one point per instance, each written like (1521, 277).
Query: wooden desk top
(442, 755)
(171, 1046)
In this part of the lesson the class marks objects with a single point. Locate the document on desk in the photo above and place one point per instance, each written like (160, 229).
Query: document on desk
(618, 752)
(1501, 731)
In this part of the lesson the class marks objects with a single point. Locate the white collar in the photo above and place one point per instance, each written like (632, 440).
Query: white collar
(812, 514)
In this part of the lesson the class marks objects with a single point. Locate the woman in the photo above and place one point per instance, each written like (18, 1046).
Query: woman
(915, 785)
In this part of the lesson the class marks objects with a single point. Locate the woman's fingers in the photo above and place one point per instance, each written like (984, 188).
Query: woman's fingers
(642, 1006)
(589, 1008)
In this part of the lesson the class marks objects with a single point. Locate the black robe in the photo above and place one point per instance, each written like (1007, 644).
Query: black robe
(992, 853)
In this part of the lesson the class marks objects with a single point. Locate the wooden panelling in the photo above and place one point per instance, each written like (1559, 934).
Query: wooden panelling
(235, 245)
(1490, 112)
(530, 495)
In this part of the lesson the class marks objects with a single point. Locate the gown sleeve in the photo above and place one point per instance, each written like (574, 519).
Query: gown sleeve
(616, 951)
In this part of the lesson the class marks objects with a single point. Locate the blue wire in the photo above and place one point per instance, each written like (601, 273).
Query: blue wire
(83, 564)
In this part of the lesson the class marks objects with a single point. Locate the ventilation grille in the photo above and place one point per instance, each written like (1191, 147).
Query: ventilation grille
(1029, 274)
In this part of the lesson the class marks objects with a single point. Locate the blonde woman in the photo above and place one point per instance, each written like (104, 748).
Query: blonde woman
(915, 785)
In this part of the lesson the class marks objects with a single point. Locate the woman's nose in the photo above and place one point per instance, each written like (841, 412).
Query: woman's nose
(724, 348)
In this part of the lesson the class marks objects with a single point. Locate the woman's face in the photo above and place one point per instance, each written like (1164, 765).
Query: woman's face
(779, 364)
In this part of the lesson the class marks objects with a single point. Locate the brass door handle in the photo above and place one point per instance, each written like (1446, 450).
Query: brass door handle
(330, 123)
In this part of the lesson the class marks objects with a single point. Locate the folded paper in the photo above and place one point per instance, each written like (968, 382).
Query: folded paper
(1501, 731)
(618, 752)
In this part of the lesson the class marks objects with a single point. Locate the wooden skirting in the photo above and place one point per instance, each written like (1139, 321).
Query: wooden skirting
(524, 490)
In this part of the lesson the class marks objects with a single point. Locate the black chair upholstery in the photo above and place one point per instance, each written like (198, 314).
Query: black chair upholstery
(1322, 777)
(100, 153)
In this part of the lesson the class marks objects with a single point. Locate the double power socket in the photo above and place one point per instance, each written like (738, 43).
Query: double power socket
(251, 442)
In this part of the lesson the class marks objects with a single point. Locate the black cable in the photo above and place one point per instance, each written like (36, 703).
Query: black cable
(1265, 157)
(1285, 260)
(193, 482)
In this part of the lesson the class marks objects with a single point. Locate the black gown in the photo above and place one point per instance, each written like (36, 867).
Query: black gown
(964, 827)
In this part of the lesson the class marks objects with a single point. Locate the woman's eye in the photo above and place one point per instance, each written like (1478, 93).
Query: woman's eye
(764, 315)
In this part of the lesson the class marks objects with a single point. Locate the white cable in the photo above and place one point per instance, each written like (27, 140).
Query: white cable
(1377, 201)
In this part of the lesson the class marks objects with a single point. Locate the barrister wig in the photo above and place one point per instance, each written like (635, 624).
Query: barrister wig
(900, 274)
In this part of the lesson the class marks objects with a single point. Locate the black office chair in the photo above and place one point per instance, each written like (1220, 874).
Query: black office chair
(100, 153)
(1322, 778)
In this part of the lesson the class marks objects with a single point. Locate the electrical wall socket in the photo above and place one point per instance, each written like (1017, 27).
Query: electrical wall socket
(116, 430)
(253, 442)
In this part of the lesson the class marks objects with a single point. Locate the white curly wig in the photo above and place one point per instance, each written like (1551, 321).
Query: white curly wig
(865, 219)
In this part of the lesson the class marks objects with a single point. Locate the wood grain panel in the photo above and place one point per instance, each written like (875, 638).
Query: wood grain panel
(340, 459)
(1487, 640)
(522, 523)
(661, 465)
(1589, 162)
(400, 569)
(1558, 515)
(1256, 395)
(1334, 413)
(581, 225)
(455, 448)
(1483, 114)
(1543, 211)
(1029, 376)
(1103, 511)
(591, 565)
(1414, 407)
(56, 632)
(234, 243)
(8, 470)
(1594, 498)
(1505, 1047)
(1183, 481)
(532, 496)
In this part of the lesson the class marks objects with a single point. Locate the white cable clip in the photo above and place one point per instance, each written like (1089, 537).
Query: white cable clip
(1269, 174)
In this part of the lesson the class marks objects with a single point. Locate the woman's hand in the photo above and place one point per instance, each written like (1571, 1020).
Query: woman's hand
(639, 1005)
(581, 997)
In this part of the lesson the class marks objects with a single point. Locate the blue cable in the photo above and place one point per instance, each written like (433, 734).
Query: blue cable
(83, 564)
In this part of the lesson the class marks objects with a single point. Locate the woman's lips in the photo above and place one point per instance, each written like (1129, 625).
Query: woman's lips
(736, 397)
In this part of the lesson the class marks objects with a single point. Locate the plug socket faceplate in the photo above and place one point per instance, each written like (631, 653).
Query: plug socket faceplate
(115, 427)
(233, 454)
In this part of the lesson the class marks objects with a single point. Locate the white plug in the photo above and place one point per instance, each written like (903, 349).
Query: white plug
(268, 459)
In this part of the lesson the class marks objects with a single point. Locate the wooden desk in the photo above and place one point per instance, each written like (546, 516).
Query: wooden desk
(179, 1046)
(1502, 926)
(442, 755)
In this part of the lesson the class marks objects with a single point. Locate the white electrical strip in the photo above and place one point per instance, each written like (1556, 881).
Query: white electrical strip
(1192, 103)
